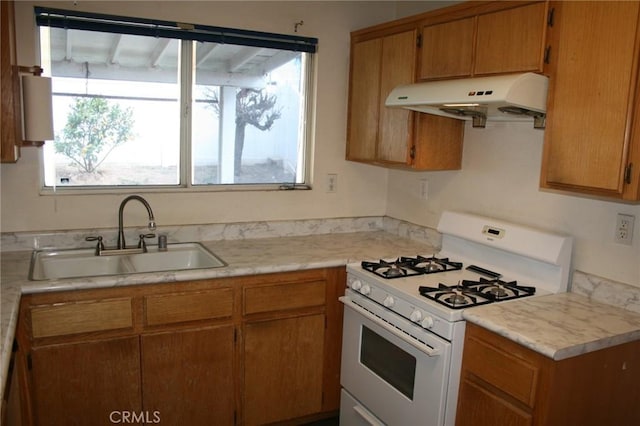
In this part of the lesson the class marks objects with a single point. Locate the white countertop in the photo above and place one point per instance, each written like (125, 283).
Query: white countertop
(243, 256)
(559, 325)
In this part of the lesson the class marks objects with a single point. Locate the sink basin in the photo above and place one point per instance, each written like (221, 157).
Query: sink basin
(177, 257)
(51, 264)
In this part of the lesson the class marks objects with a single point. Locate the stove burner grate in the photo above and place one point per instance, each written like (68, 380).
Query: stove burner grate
(430, 265)
(498, 290)
(454, 297)
(390, 269)
(409, 266)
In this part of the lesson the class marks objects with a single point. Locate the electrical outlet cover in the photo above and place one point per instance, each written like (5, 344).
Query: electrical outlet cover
(624, 229)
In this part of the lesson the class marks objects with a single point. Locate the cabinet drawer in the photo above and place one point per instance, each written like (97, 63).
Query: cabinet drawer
(510, 374)
(283, 296)
(81, 317)
(192, 306)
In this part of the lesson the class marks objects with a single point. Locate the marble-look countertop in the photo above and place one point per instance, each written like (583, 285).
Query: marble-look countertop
(559, 326)
(243, 256)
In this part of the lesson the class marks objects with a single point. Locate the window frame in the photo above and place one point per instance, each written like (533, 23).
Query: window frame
(188, 34)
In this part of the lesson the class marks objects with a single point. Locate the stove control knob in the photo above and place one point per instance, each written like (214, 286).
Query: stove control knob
(427, 322)
(389, 301)
(356, 284)
(365, 289)
(416, 316)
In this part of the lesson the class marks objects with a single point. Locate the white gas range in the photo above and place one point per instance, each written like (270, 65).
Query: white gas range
(403, 327)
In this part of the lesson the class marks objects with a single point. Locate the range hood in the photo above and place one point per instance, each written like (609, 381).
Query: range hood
(514, 97)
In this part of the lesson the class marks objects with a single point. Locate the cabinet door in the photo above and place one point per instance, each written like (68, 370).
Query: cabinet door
(283, 367)
(395, 126)
(447, 49)
(511, 40)
(86, 383)
(364, 97)
(593, 71)
(479, 406)
(10, 111)
(375, 132)
(438, 143)
(188, 376)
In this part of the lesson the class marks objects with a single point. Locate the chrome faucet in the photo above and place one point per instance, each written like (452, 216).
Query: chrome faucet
(152, 223)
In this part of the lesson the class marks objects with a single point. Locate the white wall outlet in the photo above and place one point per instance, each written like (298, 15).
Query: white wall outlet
(624, 228)
(332, 182)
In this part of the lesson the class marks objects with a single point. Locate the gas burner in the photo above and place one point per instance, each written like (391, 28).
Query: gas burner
(454, 297)
(498, 290)
(390, 269)
(430, 265)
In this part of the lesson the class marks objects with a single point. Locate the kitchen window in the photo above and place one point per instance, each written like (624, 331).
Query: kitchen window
(157, 104)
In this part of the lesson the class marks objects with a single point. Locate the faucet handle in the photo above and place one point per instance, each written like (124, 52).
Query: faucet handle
(99, 246)
(142, 243)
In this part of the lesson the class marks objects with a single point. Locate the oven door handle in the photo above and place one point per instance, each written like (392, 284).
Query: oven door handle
(428, 350)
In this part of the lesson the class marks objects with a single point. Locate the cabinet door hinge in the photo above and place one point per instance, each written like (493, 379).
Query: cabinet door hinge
(550, 17)
(412, 152)
(627, 173)
(419, 40)
(29, 362)
(235, 335)
(547, 55)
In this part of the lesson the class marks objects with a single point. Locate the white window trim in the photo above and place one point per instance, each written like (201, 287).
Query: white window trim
(187, 69)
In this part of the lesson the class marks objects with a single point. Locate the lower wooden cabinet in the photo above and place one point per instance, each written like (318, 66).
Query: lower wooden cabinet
(85, 383)
(188, 376)
(11, 411)
(503, 383)
(244, 350)
(283, 364)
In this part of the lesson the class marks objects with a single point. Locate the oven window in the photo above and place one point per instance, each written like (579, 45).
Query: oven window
(389, 362)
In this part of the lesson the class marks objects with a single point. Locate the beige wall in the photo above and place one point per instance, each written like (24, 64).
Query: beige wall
(500, 166)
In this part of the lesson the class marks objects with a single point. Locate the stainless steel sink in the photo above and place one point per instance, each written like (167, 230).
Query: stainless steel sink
(49, 264)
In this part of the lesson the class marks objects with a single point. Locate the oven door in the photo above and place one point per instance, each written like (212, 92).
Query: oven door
(397, 371)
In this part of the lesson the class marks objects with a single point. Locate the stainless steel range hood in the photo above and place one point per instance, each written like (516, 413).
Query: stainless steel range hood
(514, 97)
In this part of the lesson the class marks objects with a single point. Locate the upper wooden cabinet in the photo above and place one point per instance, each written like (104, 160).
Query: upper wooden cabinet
(377, 133)
(394, 137)
(447, 49)
(472, 38)
(10, 110)
(489, 41)
(592, 139)
(511, 40)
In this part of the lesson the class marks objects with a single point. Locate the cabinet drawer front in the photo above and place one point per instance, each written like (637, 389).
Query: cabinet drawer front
(283, 296)
(479, 403)
(81, 317)
(182, 307)
(502, 370)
